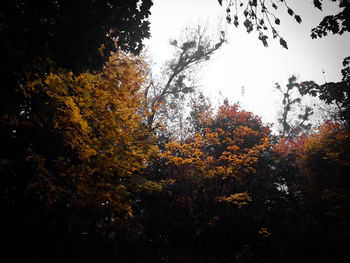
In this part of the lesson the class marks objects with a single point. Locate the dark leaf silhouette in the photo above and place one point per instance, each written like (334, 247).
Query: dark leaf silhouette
(318, 4)
(283, 43)
(298, 19)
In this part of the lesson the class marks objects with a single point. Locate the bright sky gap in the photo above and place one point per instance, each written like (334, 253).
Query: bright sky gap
(244, 61)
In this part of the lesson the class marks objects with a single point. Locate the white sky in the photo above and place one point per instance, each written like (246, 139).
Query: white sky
(244, 61)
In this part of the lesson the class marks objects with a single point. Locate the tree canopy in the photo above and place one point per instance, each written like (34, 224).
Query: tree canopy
(78, 35)
(93, 168)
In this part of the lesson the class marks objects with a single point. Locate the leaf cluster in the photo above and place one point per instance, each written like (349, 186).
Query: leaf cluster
(260, 16)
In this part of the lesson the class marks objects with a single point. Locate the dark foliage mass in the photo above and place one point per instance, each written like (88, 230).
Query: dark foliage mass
(89, 173)
(261, 16)
(37, 36)
(337, 24)
(74, 34)
(39, 39)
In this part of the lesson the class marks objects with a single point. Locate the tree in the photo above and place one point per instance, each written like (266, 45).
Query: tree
(224, 151)
(293, 121)
(76, 35)
(67, 160)
(201, 110)
(213, 171)
(192, 49)
(313, 175)
(337, 24)
(337, 93)
(332, 93)
(324, 160)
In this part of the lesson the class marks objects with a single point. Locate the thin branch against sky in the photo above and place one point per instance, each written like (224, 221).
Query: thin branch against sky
(244, 61)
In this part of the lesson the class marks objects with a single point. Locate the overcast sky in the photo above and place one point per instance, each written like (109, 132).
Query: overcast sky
(244, 61)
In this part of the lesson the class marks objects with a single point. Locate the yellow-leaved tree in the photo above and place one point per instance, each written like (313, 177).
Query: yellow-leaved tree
(82, 137)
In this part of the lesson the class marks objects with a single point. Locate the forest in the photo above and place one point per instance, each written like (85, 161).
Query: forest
(101, 161)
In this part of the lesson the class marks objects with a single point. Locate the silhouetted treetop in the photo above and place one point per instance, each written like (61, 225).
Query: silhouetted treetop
(337, 24)
(74, 34)
(261, 15)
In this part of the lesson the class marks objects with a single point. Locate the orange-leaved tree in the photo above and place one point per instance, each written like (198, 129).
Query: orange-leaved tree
(324, 158)
(216, 161)
(216, 173)
(313, 172)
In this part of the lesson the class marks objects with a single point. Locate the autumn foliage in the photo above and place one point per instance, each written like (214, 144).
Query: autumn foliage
(76, 142)
(91, 172)
(221, 154)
